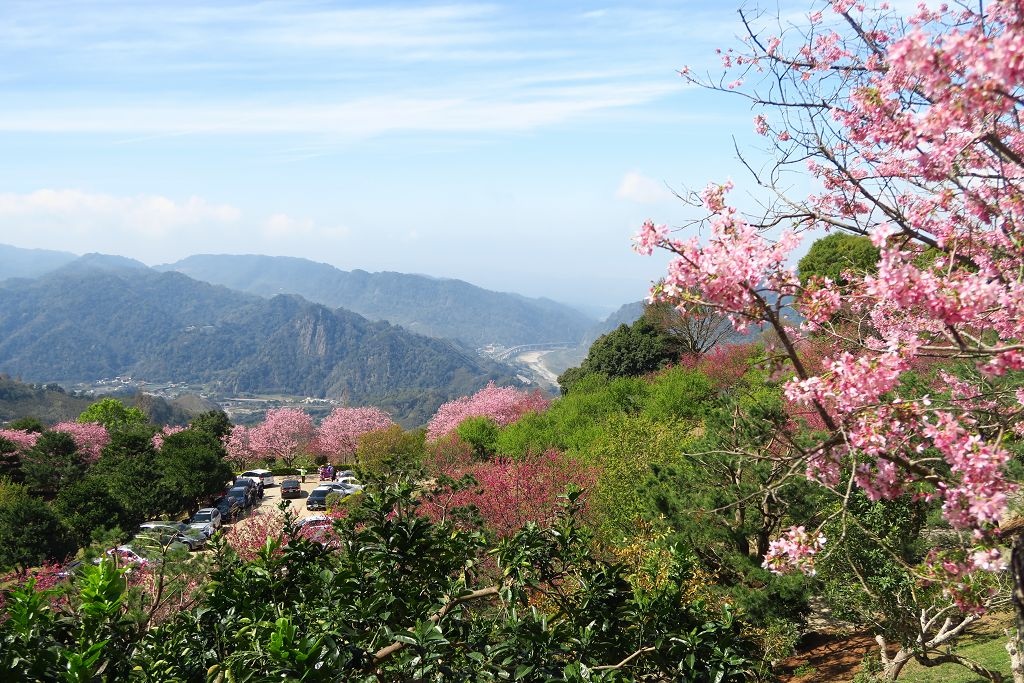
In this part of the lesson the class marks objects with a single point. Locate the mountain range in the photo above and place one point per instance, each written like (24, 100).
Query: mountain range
(435, 307)
(98, 317)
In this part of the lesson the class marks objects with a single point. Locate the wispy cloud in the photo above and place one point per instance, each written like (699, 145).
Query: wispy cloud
(636, 187)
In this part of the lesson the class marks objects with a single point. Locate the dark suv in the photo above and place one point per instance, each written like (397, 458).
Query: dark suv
(317, 499)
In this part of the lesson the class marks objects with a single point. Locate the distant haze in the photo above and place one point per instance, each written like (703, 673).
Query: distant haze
(516, 146)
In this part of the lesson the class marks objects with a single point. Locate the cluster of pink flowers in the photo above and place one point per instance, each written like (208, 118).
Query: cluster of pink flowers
(90, 438)
(21, 439)
(158, 438)
(250, 535)
(504, 405)
(338, 434)
(795, 550)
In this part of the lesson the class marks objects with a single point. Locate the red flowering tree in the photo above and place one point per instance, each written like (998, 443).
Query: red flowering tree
(338, 434)
(911, 128)
(284, 434)
(509, 493)
(504, 405)
(90, 438)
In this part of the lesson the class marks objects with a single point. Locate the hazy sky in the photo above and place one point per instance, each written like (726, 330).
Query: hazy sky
(515, 145)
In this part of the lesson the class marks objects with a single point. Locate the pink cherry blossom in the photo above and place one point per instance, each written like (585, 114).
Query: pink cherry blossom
(338, 434)
(504, 405)
(90, 438)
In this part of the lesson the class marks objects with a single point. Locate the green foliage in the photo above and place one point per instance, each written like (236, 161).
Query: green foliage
(30, 532)
(628, 351)
(212, 422)
(399, 598)
(628, 447)
(575, 421)
(114, 415)
(192, 468)
(391, 454)
(838, 252)
(679, 394)
(86, 506)
(133, 476)
(50, 463)
(481, 433)
(28, 424)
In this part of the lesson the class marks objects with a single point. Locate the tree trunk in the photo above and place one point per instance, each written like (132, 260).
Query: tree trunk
(1016, 645)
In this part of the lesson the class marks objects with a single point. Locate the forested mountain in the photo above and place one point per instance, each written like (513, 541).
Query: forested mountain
(431, 306)
(626, 315)
(79, 324)
(18, 262)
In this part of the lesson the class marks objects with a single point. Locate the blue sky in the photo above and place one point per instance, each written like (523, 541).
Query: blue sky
(514, 145)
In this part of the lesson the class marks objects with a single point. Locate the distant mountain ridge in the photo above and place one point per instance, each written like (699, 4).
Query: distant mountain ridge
(18, 262)
(86, 321)
(432, 306)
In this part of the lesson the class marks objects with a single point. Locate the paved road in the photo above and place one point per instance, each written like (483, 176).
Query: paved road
(272, 496)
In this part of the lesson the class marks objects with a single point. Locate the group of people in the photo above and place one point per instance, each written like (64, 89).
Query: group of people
(328, 473)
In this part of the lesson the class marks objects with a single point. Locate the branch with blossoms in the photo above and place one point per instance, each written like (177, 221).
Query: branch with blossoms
(912, 130)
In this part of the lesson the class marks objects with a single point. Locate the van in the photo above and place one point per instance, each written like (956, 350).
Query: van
(260, 475)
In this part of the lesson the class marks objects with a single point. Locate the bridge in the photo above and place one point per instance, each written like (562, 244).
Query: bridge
(523, 348)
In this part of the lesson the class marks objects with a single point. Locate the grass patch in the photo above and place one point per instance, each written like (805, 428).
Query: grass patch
(985, 644)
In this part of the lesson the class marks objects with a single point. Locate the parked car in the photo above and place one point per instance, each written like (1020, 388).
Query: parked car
(350, 482)
(319, 529)
(168, 532)
(291, 488)
(344, 488)
(206, 521)
(259, 475)
(125, 555)
(317, 499)
(230, 509)
(245, 495)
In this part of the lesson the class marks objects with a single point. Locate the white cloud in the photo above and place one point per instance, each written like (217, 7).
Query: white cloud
(79, 211)
(283, 226)
(636, 187)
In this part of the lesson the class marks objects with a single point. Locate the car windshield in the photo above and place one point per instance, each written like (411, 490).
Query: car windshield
(203, 516)
(290, 482)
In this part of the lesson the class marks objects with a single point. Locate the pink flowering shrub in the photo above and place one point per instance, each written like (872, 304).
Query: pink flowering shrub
(21, 439)
(510, 492)
(504, 405)
(250, 535)
(90, 438)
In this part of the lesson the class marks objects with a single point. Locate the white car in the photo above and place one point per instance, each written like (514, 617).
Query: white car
(206, 521)
(260, 476)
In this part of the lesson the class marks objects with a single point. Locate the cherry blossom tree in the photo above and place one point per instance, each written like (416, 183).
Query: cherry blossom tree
(90, 438)
(283, 435)
(338, 434)
(504, 405)
(236, 444)
(911, 130)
